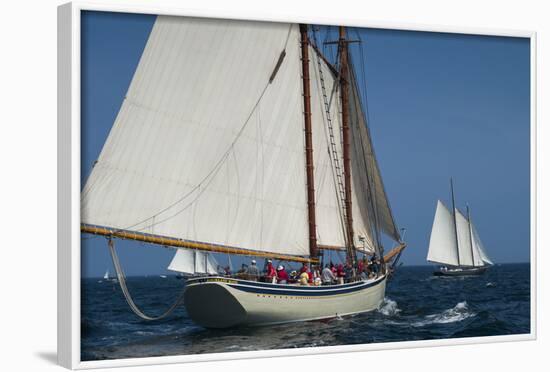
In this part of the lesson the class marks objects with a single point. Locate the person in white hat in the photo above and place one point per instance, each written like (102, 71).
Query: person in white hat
(252, 271)
(270, 273)
(282, 276)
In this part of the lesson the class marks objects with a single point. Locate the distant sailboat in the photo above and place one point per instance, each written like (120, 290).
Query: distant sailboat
(241, 138)
(108, 278)
(189, 263)
(455, 243)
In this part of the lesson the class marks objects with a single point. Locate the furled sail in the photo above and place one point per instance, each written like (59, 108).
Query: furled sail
(193, 262)
(465, 247)
(367, 179)
(208, 145)
(443, 249)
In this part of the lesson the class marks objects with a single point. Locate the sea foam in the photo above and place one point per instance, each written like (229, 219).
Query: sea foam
(456, 314)
(389, 307)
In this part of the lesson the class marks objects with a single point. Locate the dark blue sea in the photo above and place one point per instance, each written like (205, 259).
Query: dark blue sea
(418, 306)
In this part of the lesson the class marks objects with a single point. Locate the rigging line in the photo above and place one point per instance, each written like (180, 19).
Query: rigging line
(217, 166)
(363, 62)
(262, 170)
(367, 121)
(122, 281)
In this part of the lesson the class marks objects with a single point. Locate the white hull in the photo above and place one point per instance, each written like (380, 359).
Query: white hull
(217, 302)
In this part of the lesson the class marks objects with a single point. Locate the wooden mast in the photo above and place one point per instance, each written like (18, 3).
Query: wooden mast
(344, 91)
(310, 181)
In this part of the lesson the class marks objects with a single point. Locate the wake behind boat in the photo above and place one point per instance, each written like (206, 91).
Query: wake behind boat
(241, 138)
(455, 243)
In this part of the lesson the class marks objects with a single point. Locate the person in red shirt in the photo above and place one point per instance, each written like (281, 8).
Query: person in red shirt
(282, 276)
(270, 273)
(340, 273)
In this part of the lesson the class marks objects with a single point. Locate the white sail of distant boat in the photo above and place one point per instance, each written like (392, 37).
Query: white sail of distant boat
(106, 275)
(455, 243)
(241, 138)
(193, 262)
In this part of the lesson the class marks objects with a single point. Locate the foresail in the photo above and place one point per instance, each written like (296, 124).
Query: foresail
(327, 145)
(193, 262)
(365, 171)
(465, 247)
(204, 147)
(443, 247)
(479, 249)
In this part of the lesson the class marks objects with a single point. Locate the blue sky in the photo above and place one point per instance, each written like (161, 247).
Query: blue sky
(440, 105)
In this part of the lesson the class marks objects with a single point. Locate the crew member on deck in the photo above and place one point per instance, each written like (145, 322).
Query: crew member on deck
(360, 266)
(348, 272)
(327, 276)
(340, 274)
(270, 273)
(252, 271)
(282, 276)
(374, 267)
(304, 278)
(305, 269)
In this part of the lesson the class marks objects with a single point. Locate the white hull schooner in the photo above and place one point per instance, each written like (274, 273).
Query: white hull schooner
(218, 302)
(240, 138)
(455, 243)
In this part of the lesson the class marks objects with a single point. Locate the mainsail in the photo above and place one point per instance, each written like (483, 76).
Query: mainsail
(443, 248)
(204, 148)
(208, 145)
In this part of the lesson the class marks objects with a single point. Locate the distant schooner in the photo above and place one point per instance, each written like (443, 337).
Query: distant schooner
(455, 243)
(241, 138)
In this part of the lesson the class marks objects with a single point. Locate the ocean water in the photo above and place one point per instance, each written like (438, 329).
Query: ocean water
(418, 306)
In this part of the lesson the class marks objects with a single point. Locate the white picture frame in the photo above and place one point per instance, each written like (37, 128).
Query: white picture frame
(69, 185)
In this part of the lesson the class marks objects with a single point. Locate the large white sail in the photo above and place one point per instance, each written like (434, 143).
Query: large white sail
(465, 247)
(443, 247)
(193, 262)
(329, 203)
(204, 148)
(366, 173)
(208, 145)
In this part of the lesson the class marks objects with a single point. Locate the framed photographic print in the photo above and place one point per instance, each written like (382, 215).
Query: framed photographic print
(246, 187)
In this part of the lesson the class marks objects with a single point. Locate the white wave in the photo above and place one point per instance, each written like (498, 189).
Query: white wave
(456, 314)
(389, 307)
(490, 284)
